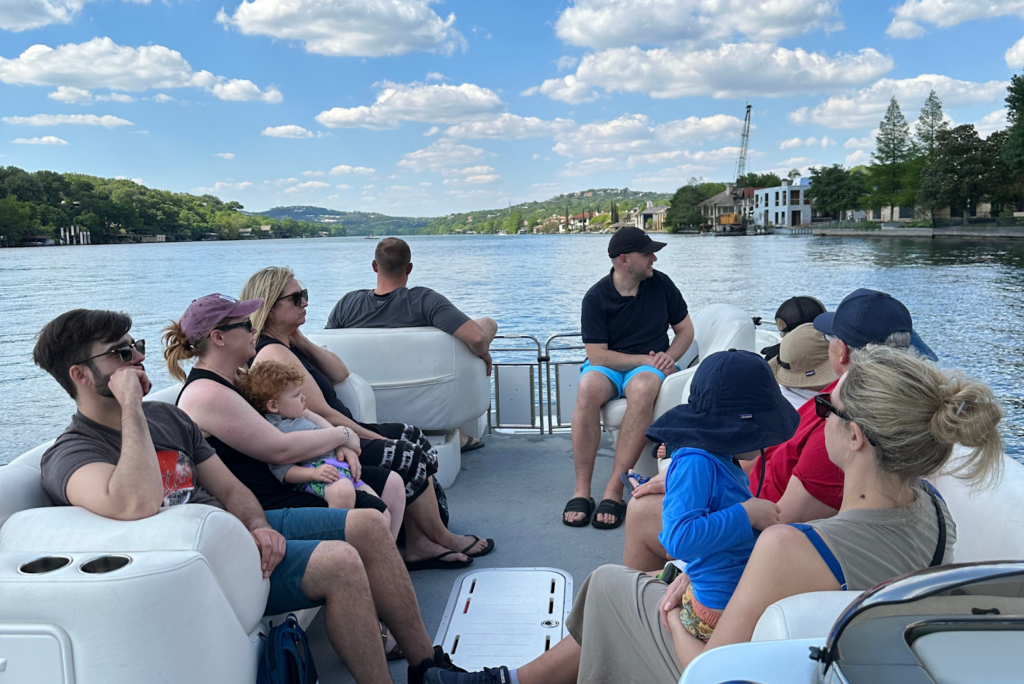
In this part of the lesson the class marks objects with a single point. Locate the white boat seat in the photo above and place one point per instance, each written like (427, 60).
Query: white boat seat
(803, 616)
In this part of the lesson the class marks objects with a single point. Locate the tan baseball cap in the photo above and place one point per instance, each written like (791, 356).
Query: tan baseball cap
(803, 359)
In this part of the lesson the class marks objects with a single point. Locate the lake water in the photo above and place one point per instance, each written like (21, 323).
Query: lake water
(966, 297)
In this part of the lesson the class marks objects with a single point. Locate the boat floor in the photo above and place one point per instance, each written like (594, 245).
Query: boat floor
(512, 491)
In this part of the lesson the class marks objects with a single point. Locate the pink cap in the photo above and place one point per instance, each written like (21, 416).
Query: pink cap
(203, 314)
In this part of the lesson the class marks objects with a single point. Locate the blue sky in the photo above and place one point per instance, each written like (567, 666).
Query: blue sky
(413, 107)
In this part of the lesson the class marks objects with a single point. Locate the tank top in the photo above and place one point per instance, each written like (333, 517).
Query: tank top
(268, 490)
(321, 379)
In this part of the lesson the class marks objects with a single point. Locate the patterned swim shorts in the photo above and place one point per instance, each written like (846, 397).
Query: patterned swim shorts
(698, 620)
(317, 488)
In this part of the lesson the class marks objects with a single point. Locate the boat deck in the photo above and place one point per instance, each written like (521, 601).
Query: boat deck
(513, 491)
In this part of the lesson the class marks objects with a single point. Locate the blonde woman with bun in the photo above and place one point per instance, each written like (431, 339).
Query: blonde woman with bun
(892, 421)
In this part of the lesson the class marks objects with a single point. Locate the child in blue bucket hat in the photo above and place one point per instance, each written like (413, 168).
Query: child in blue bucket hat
(709, 518)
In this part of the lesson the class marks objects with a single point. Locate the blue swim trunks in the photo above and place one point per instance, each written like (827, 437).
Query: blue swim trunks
(620, 379)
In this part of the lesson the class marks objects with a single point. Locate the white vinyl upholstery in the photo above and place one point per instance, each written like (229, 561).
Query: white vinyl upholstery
(421, 376)
(803, 616)
(21, 485)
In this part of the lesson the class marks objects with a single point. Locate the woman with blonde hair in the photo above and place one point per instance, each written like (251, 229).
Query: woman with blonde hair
(396, 446)
(892, 421)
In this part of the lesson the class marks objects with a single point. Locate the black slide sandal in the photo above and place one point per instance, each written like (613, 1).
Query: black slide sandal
(436, 563)
(579, 505)
(616, 508)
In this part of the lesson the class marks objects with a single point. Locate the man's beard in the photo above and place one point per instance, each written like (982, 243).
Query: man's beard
(102, 382)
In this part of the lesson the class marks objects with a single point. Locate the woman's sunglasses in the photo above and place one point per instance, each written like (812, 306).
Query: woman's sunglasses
(124, 351)
(296, 297)
(823, 406)
(244, 324)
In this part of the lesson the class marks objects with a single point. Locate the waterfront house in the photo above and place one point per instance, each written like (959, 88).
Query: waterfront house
(784, 206)
(652, 218)
(728, 203)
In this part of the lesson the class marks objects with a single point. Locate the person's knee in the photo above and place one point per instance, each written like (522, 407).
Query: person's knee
(643, 387)
(340, 494)
(366, 525)
(331, 560)
(593, 391)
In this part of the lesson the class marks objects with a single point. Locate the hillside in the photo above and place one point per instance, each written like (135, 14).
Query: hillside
(355, 222)
(505, 218)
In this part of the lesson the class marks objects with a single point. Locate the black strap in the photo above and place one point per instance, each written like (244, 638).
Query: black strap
(940, 549)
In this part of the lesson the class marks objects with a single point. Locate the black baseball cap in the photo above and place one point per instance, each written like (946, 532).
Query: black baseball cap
(630, 239)
(868, 317)
(796, 311)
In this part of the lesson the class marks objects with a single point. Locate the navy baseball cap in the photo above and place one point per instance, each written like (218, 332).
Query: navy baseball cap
(868, 317)
(630, 239)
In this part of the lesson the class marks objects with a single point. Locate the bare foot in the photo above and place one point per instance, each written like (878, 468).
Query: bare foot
(615, 494)
(425, 549)
(459, 542)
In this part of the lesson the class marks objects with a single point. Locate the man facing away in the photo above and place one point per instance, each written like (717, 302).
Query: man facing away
(625, 322)
(124, 459)
(393, 304)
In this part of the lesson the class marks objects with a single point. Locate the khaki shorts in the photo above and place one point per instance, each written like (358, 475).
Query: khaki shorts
(615, 621)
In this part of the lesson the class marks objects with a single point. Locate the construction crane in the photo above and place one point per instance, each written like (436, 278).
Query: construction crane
(741, 163)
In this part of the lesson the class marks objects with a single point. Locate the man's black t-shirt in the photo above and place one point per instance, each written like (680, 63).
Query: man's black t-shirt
(632, 325)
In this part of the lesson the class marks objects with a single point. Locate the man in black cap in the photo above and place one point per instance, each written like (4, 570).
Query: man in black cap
(625, 322)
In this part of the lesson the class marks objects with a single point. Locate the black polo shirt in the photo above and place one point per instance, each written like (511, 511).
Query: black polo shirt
(632, 325)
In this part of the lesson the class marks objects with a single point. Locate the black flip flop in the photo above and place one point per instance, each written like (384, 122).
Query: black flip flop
(616, 508)
(471, 444)
(436, 563)
(579, 505)
(483, 552)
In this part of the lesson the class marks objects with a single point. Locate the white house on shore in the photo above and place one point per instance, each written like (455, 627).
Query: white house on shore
(784, 206)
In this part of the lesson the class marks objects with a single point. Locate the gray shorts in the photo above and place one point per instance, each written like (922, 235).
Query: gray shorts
(616, 623)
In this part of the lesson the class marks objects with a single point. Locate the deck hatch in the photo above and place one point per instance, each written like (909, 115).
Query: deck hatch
(505, 616)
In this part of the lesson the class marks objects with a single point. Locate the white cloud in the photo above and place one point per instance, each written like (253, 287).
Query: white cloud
(306, 187)
(162, 98)
(858, 157)
(947, 13)
(80, 96)
(865, 143)
(726, 71)
(602, 24)
(434, 76)
(671, 177)
(1015, 54)
(23, 15)
(349, 28)
(566, 62)
(222, 186)
(635, 134)
(431, 131)
(107, 121)
(992, 122)
(507, 126)
(435, 103)
(798, 116)
(791, 142)
(801, 164)
(710, 157)
(442, 154)
(589, 166)
(426, 184)
(225, 155)
(357, 170)
(313, 173)
(288, 131)
(867, 106)
(45, 140)
(809, 142)
(343, 187)
(102, 63)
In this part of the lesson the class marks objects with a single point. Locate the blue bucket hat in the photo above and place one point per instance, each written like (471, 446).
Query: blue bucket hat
(735, 406)
(868, 317)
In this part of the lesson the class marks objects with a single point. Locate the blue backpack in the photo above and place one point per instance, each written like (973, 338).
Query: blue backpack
(286, 658)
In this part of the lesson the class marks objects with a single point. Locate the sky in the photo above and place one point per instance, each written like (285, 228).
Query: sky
(424, 108)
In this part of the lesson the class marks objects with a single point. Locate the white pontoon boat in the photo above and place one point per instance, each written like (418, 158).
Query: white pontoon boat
(180, 597)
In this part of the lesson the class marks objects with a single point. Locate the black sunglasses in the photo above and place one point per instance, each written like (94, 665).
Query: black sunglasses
(124, 351)
(823, 406)
(244, 324)
(296, 297)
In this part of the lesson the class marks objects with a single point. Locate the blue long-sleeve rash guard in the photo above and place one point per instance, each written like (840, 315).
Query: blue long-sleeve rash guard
(704, 523)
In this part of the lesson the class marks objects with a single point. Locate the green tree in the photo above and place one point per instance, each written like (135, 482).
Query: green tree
(1013, 147)
(683, 211)
(758, 180)
(929, 123)
(893, 149)
(836, 190)
(793, 174)
(15, 220)
(960, 173)
(614, 212)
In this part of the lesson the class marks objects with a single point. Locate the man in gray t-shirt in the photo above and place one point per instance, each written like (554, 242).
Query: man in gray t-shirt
(393, 304)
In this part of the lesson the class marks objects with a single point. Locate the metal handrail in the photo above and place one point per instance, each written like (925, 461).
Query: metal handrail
(547, 362)
(538, 363)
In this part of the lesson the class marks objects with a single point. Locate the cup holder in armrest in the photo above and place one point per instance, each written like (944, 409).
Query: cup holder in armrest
(104, 564)
(43, 565)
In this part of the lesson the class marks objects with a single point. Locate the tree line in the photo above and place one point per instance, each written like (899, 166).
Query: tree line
(119, 210)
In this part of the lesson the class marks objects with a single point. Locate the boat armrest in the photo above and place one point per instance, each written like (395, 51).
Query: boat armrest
(804, 616)
(357, 394)
(220, 537)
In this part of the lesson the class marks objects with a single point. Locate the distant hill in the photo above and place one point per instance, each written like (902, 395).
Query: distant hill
(355, 222)
(594, 199)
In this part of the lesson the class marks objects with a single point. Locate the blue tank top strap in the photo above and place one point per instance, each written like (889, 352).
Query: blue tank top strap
(826, 553)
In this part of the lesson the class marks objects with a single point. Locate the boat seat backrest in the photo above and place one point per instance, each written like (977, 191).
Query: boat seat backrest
(21, 485)
(720, 327)
(421, 376)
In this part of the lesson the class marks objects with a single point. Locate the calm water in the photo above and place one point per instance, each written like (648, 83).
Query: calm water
(966, 297)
